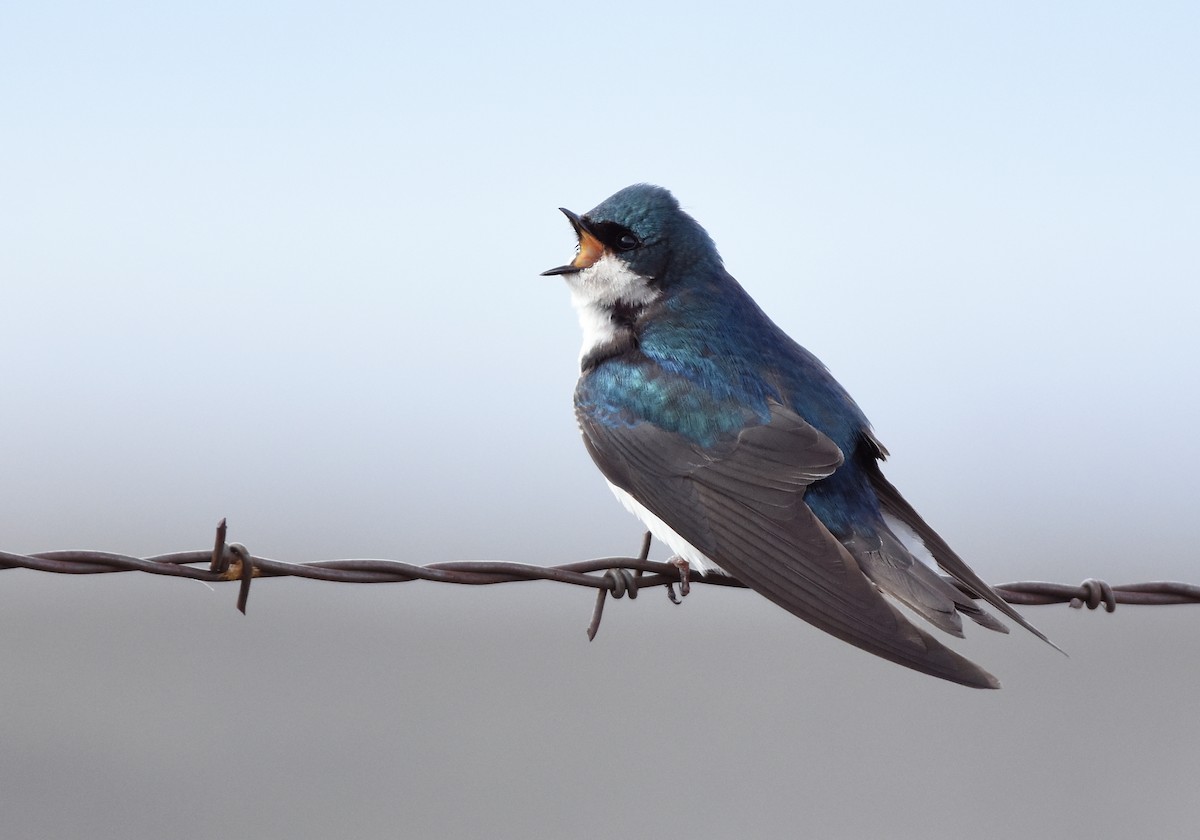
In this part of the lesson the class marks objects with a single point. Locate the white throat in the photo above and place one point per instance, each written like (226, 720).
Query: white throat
(595, 292)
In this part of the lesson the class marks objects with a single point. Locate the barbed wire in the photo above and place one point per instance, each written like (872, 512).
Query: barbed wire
(616, 576)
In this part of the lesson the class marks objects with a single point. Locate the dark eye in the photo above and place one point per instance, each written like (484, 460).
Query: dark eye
(628, 242)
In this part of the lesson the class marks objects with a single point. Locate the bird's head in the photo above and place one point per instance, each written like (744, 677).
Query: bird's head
(633, 244)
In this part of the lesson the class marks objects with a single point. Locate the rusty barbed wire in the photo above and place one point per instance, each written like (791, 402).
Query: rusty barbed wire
(616, 576)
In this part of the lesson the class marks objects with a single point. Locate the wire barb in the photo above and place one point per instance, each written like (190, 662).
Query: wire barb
(619, 582)
(1098, 591)
(243, 572)
(220, 560)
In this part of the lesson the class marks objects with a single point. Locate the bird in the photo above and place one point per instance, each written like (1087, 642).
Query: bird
(738, 449)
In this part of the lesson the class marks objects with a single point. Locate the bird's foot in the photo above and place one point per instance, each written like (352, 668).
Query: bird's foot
(685, 579)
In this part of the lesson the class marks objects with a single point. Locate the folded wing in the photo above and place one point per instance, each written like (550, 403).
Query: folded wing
(741, 504)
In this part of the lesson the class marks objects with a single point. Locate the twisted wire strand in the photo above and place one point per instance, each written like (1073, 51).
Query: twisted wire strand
(616, 576)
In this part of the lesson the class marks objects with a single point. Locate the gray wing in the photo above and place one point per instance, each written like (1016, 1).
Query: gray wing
(892, 502)
(742, 506)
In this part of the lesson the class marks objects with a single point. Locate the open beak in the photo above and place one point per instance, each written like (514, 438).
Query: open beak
(590, 248)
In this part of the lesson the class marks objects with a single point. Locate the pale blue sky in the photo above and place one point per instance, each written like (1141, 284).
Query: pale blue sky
(278, 262)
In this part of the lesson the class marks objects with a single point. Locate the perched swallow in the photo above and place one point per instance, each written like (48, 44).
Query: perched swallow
(739, 450)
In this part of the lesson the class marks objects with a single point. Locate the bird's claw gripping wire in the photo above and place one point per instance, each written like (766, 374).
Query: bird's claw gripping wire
(685, 580)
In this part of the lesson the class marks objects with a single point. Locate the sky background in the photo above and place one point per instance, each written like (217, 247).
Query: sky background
(279, 263)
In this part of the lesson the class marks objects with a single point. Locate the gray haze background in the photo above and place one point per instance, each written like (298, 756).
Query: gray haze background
(278, 262)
